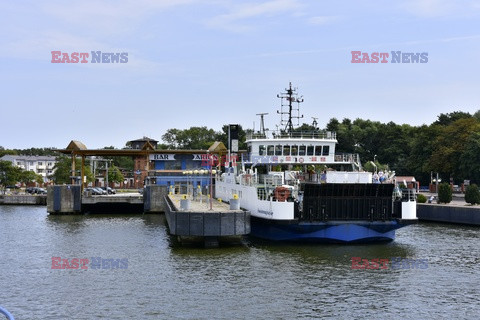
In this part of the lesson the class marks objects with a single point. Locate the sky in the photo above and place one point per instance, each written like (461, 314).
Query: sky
(215, 62)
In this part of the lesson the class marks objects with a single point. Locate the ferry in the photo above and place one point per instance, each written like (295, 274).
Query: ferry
(279, 181)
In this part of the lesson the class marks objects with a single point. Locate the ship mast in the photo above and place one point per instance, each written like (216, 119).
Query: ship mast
(262, 123)
(288, 98)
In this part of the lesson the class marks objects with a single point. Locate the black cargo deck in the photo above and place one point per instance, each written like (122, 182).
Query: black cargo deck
(349, 201)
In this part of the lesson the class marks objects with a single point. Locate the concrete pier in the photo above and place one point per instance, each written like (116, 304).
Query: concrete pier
(23, 199)
(153, 198)
(113, 203)
(449, 213)
(198, 221)
(64, 199)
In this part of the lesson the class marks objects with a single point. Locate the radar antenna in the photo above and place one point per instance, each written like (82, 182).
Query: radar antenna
(288, 98)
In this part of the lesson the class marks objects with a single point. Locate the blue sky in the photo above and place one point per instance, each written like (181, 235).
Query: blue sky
(209, 63)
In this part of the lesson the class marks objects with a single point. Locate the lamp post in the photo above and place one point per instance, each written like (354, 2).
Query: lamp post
(210, 157)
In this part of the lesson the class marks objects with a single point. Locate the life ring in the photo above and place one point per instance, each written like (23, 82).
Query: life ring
(282, 193)
(300, 160)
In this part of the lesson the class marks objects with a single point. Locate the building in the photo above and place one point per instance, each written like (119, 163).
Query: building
(186, 167)
(42, 165)
(139, 143)
(141, 164)
(155, 166)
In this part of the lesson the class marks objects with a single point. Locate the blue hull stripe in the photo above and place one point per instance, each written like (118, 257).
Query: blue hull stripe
(324, 232)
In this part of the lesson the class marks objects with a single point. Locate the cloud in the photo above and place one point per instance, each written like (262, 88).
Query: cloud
(323, 20)
(109, 17)
(235, 19)
(438, 8)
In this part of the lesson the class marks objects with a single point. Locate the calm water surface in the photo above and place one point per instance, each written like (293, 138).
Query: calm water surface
(255, 281)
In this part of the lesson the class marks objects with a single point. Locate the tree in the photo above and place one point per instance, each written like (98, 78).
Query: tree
(421, 198)
(8, 174)
(223, 137)
(63, 169)
(29, 176)
(192, 138)
(124, 162)
(469, 163)
(472, 194)
(4, 151)
(422, 146)
(115, 175)
(450, 145)
(444, 193)
(445, 119)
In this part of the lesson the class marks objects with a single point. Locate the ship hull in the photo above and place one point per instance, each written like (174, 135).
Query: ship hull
(324, 232)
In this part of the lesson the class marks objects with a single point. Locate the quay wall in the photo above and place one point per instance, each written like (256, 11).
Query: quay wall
(153, 198)
(17, 199)
(450, 214)
(64, 199)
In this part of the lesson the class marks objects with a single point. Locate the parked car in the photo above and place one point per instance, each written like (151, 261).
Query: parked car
(36, 190)
(110, 190)
(41, 191)
(29, 190)
(93, 191)
(100, 191)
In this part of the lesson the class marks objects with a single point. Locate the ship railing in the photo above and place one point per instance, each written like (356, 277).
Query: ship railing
(270, 180)
(312, 177)
(347, 157)
(279, 134)
(247, 179)
(409, 195)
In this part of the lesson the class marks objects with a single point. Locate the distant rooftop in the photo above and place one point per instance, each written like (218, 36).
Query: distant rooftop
(11, 158)
(144, 139)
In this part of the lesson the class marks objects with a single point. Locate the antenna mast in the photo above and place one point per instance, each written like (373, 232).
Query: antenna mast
(262, 123)
(314, 123)
(288, 98)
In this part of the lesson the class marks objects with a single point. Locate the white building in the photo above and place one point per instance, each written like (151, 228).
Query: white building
(42, 165)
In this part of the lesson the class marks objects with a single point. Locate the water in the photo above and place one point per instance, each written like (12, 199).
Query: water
(255, 281)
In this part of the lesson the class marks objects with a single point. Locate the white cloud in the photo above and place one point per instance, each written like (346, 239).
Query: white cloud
(439, 8)
(323, 20)
(235, 19)
(108, 17)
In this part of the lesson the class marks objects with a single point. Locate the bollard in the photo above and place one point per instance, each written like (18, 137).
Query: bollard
(184, 203)
(234, 204)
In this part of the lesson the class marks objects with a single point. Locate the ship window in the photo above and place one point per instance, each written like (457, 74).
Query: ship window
(301, 151)
(318, 150)
(294, 150)
(278, 150)
(286, 150)
(310, 151)
(261, 150)
(326, 150)
(249, 149)
(270, 150)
